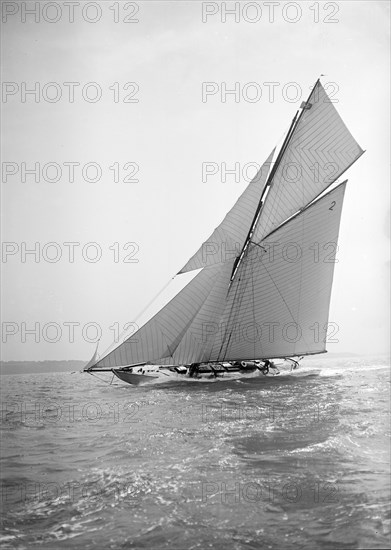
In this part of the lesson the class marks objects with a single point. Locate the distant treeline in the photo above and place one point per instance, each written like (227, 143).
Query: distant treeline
(27, 367)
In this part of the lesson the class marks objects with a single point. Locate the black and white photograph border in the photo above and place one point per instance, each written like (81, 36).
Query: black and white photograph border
(195, 274)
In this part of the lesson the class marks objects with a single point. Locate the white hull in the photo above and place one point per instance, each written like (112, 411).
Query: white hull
(162, 374)
(135, 379)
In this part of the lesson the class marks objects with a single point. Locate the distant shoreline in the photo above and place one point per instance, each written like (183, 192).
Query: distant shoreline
(36, 367)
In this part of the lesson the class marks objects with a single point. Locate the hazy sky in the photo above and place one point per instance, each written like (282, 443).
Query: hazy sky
(162, 140)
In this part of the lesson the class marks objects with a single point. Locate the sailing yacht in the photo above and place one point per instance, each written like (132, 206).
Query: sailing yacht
(262, 288)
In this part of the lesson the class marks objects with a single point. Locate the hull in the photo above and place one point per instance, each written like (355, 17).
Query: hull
(134, 379)
(204, 373)
(138, 375)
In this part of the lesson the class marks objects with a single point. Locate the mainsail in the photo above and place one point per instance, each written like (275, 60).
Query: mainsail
(271, 297)
(278, 304)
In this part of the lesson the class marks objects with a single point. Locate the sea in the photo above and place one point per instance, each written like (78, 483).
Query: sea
(300, 460)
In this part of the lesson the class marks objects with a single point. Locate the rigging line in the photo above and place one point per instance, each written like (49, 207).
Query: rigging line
(253, 296)
(178, 340)
(240, 289)
(295, 124)
(301, 279)
(223, 341)
(121, 338)
(229, 318)
(153, 299)
(268, 185)
(309, 205)
(260, 246)
(278, 290)
(219, 317)
(280, 195)
(335, 178)
(299, 150)
(99, 378)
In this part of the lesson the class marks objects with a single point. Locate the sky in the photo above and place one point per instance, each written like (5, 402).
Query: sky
(119, 130)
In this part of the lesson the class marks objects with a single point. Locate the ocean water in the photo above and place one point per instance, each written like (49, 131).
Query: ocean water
(300, 461)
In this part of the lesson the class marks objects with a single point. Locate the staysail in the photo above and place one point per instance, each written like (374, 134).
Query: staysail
(93, 359)
(175, 333)
(271, 298)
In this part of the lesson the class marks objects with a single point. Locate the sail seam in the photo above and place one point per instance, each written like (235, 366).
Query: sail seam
(253, 297)
(278, 290)
(228, 322)
(183, 333)
(296, 214)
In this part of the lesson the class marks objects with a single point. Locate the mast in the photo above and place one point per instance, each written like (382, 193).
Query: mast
(288, 137)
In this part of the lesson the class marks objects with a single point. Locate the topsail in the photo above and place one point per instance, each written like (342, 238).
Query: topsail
(321, 148)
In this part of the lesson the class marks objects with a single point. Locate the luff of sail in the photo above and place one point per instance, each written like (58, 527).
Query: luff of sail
(278, 304)
(228, 238)
(320, 150)
(93, 359)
